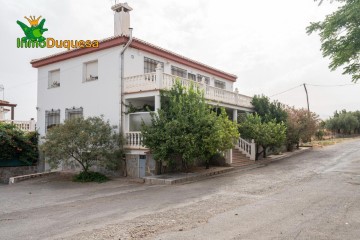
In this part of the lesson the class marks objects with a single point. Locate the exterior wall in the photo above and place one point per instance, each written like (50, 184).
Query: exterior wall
(7, 172)
(132, 165)
(134, 65)
(97, 97)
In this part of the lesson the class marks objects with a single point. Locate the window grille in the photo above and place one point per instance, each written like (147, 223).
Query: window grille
(207, 79)
(52, 118)
(150, 65)
(178, 72)
(71, 113)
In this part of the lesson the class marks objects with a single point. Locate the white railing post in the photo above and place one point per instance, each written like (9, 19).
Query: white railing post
(229, 156)
(253, 150)
(236, 96)
(159, 76)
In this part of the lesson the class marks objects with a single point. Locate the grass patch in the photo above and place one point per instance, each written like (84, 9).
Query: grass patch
(90, 177)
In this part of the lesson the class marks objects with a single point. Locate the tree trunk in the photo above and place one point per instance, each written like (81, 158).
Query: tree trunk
(264, 151)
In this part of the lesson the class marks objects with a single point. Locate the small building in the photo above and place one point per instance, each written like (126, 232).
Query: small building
(6, 107)
(124, 71)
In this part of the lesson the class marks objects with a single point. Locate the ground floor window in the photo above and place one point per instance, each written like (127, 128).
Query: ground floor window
(52, 118)
(71, 113)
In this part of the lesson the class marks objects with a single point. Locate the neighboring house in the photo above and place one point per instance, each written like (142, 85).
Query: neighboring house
(124, 71)
(26, 126)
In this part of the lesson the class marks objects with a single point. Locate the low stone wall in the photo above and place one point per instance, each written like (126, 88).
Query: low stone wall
(7, 172)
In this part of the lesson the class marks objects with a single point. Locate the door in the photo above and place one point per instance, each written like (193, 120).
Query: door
(142, 165)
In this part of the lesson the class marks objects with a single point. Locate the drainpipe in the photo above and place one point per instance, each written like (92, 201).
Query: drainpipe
(122, 116)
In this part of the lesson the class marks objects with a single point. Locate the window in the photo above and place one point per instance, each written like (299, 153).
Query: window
(91, 71)
(52, 118)
(219, 84)
(150, 65)
(178, 72)
(192, 76)
(71, 113)
(54, 79)
(207, 79)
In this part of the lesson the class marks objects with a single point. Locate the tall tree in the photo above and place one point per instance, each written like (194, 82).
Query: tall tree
(186, 128)
(340, 37)
(267, 110)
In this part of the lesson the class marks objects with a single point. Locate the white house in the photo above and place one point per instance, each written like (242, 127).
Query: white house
(124, 71)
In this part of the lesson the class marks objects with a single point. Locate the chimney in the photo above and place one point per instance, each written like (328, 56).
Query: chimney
(121, 19)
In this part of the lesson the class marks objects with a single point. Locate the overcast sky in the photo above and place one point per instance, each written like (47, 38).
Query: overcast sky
(263, 42)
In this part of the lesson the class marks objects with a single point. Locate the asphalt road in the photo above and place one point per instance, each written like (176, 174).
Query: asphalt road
(314, 195)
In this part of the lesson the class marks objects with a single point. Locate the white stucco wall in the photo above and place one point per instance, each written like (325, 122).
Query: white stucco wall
(97, 97)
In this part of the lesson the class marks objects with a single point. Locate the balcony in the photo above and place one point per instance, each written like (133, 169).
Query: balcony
(159, 80)
(26, 126)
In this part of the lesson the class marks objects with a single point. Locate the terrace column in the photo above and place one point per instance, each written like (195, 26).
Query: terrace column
(159, 84)
(12, 113)
(235, 115)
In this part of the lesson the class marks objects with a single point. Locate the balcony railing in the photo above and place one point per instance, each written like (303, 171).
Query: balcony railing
(27, 126)
(156, 81)
(134, 140)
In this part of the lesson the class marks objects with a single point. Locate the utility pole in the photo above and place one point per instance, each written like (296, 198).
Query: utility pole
(307, 99)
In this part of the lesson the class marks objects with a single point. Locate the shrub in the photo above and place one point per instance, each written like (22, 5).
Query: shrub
(90, 177)
(18, 145)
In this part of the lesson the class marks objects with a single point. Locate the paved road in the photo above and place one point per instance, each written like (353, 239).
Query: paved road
(315, 195)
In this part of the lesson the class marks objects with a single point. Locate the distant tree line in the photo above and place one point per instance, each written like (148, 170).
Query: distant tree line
(344, 122)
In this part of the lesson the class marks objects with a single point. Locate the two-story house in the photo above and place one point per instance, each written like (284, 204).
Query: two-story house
(124, 71)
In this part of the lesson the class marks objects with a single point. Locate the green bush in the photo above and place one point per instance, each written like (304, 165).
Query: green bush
(90, 177)
(18, 145)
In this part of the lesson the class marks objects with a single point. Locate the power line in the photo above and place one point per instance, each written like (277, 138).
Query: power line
(338, 85)
(316, 85)
(286, 90)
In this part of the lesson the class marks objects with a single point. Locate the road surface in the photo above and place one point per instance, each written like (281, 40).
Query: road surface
(314, 195)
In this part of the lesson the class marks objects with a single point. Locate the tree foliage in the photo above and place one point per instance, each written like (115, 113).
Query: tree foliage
(266, 134)
(344, 122)
(85, 141)
(340, 37)
(18, 145)
(187, 128)
(300, 126)
(269, 111)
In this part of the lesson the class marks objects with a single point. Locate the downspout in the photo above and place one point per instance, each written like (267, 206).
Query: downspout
(122, 114)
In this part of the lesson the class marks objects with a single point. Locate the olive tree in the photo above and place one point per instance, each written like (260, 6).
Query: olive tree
(86, 141)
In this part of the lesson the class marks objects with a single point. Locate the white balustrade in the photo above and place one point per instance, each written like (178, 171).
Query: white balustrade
(247, 148)
(134, 140)
(149, 81)
(26, 126)
(144, 82)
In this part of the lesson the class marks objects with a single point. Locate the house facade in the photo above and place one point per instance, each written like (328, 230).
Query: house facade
(122, 74)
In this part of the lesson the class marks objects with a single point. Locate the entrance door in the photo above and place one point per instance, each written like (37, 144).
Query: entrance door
(142, 165)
